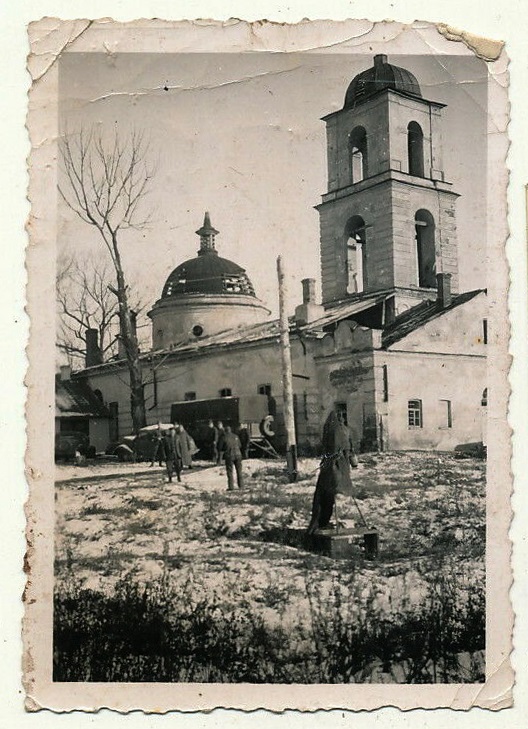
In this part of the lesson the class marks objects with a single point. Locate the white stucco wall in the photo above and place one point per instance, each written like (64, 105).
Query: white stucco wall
(174, 318)
(442, 360)
(433, 379)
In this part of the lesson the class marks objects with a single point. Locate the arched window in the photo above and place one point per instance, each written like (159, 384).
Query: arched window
(99, 395)
(356, 255)
(358, 154)
(425, 249)
(415, 149)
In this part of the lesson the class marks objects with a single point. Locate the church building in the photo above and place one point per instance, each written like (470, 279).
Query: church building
(393, 344)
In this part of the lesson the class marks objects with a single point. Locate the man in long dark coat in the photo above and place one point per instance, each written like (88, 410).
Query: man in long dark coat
(186, 445)
(171, 452)
(334, 475)
(220, 442)
(233, 458)
(157, 438)
(212, 441)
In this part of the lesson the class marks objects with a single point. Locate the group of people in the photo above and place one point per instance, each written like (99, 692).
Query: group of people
(216, 437)
(175, 447)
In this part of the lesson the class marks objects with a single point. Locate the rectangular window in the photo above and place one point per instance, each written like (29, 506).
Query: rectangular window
(264, 389)
(385, 384)
(225, 392)
(414, 414)
(485, 330)
(447, 418)
(341, 410)
(189, 396)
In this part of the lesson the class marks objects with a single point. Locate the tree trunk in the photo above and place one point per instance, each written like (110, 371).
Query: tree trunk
(130, 343)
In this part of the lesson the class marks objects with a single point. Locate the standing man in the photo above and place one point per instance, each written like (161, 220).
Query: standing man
(157, 439)
(233, 457)
(243, 434)
(334, 474)
(171, 453)
(185, 444)
(220, 442)
(212, 441)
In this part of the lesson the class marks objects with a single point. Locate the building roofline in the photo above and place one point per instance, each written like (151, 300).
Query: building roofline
(418, 316)
(249, 336)
(377, 94)
(234, 338)
(382, 178)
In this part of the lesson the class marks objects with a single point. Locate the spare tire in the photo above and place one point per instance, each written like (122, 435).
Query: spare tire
(266, 426)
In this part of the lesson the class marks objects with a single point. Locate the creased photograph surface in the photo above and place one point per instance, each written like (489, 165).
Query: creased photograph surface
(268, 451)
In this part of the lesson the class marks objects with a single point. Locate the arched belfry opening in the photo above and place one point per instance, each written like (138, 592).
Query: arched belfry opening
(415, 149)
(356, 242)
(385, 163)
(425, 248)
(358, 154)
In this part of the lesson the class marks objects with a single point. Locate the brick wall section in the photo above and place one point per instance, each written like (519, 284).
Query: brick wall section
(374, 117)
(373, 207)
(448, 238)
(388, 198)
(402, 111)
(406, 201)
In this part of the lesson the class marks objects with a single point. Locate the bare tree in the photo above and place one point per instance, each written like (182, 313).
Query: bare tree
(85, 301)
(105, 182)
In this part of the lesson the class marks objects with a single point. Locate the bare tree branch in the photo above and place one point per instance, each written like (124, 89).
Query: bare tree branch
(105, 180)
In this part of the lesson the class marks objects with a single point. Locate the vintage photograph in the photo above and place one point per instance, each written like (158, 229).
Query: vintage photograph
(271, 372)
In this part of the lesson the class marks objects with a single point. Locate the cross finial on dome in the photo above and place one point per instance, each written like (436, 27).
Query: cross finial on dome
(207, 236)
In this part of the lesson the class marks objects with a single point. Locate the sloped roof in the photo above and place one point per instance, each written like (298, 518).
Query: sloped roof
(74, 398)
(270, 330)
(344, 309)
(419, 315)
(262, 331)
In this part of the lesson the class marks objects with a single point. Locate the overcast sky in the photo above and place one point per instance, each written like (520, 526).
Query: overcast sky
(240, 135)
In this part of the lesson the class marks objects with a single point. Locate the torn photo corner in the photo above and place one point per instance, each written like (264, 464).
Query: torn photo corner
(268, 449)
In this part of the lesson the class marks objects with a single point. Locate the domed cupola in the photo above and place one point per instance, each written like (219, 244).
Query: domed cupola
(204, 295)
(208, 273)
(382, 75)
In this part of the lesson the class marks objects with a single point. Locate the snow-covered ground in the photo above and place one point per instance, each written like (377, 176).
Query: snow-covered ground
(126, 522)
(104, 468)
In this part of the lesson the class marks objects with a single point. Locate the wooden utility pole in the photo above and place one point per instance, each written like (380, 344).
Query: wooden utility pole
(287, 379)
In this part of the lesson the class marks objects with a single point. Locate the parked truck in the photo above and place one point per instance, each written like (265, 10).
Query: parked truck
(253, 412)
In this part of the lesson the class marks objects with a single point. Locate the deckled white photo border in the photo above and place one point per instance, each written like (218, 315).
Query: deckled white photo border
(506, 22)
(49, 39)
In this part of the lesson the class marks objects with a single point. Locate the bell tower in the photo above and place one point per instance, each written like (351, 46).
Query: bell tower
(387, 221)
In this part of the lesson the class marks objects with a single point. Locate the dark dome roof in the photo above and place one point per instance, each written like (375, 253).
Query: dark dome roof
(382, 75)
(208, 274)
